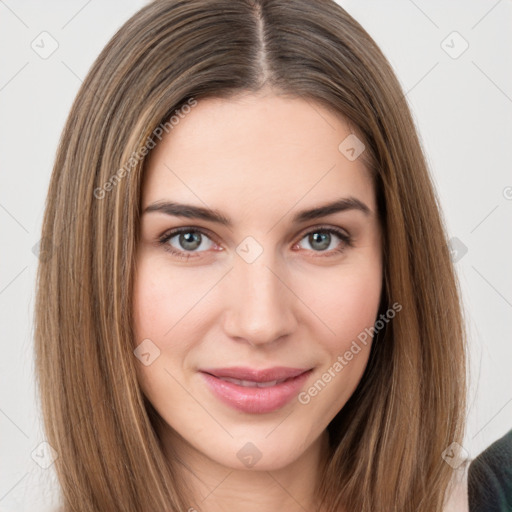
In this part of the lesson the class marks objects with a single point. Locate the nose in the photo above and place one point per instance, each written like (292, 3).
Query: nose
(260, 303)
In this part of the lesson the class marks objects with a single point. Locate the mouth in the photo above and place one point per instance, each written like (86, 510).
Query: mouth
(255, 391)
(253, 384)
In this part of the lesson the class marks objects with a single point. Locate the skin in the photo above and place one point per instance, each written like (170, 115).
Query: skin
(258, 159)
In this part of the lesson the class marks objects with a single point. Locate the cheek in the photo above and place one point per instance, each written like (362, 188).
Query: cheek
(357, 304)
(161, 299)
(163, 309)
(157, 307)
(349, 308)
(347, 304)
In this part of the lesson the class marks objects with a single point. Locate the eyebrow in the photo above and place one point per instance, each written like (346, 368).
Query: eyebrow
(198, 212)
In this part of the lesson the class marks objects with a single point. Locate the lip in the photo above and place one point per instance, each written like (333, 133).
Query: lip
(255, 400)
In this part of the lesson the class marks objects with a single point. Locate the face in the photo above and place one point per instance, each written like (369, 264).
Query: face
(253, 290)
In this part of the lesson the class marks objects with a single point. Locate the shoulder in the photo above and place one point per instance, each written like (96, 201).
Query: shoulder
(490, 478)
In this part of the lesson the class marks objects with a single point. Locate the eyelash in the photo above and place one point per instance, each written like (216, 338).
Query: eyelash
(346, 239)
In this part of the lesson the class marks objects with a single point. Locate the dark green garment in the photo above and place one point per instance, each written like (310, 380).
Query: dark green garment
(490, 478)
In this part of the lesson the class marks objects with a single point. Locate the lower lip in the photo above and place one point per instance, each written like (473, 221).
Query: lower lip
(256, 400)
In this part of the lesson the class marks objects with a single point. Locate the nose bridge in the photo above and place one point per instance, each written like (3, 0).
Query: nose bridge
(260, 304)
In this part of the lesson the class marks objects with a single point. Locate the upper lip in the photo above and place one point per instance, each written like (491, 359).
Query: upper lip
(255, 375)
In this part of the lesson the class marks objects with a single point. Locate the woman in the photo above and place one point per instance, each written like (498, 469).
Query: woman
(196, 348)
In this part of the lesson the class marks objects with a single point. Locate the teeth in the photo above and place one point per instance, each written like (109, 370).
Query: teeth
(251, 384)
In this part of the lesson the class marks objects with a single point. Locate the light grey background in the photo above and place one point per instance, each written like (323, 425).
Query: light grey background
(463, 110)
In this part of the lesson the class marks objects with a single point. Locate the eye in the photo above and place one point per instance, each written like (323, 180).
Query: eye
(190, 240)
(321, 238)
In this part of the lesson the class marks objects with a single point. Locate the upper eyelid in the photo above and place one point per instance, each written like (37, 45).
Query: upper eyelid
(171, 233)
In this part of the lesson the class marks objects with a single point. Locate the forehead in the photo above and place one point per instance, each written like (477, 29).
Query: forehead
(259, 152)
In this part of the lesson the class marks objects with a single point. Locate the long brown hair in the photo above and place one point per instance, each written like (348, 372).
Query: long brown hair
(387, 442)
